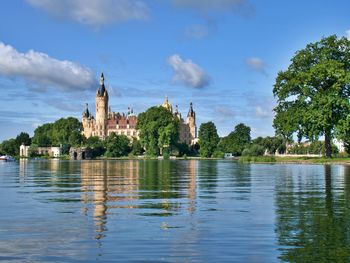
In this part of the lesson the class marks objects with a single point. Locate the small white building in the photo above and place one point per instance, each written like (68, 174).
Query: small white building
(340, 145)
(56, 151)
(23, 151)
(48, 151)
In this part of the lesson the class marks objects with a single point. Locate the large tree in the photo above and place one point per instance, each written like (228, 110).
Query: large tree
(208, 139)
(158, 129)
(117, 145)
(63, 131)
(237, 140)
(313, 93)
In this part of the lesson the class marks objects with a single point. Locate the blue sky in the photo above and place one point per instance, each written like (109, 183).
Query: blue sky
(223, 55)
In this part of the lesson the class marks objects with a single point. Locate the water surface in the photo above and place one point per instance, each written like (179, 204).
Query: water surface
(173, 211)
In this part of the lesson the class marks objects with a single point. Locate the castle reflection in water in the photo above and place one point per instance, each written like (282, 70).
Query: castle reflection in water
(111, 185)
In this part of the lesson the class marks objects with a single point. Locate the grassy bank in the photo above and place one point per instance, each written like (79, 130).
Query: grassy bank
(300, 160)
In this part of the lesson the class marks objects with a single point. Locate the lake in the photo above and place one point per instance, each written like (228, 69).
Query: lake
(173, 211)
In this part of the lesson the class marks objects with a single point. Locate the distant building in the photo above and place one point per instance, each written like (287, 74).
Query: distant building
(49, 151)
(79, 153)
(107, 121)
(24, 151)
(188, 127)
(340, 145)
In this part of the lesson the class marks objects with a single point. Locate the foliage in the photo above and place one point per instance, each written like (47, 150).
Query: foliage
(10, 147)
(253, 150)
(136, 148)
(313, 93)
(96, 146)
(117, 145)
(236, 141)
(63, 131)
(23, 138)
(183, 149)
(316, 147)
(218, 154)
(257, 159)
(158, 129)
(271, 144)
(208, 139)
(33, 150)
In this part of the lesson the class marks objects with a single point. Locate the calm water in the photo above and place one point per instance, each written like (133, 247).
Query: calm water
(173, 211)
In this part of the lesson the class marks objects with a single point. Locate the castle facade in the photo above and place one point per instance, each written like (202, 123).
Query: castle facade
(107, 122)
(188, 128)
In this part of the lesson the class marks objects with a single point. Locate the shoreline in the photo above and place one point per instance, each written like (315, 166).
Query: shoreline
(242, 160)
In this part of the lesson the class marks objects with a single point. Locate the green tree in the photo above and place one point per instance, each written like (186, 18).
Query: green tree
(208, 139)
(136, 148)
(24, 138)
(271, 144)
(313, 93)
(9, 147)
(65, 131)
(236, 141)
(158, 129)
(96, 145)
(117, 145)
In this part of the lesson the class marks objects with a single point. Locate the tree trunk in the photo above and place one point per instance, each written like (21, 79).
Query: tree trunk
(327, 144)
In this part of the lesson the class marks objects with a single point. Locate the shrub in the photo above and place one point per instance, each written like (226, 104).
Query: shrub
(218, 154)
(253, 150)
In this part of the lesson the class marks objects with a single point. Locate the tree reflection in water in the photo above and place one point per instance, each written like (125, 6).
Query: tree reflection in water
(313, 219)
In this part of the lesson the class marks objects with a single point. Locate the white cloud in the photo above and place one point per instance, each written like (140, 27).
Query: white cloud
(256, 64)
(197, 31)
(347, 34)
(262, 113)
(188, 73)
(215, 5)
(95, 12)
(44, 71)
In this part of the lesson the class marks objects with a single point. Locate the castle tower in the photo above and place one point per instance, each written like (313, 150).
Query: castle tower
(166, 104)
(87, 122)
(191, 121)
(101, 109)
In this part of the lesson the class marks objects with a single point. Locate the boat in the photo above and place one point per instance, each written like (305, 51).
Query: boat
(7, 158)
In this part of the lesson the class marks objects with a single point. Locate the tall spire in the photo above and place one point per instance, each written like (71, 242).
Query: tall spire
(86, 112)
(102, 89)
(191, 113)
(102, 79)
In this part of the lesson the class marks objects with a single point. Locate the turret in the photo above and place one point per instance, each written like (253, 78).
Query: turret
(86, 112)
(87, 122)
(191, 120)
(167, 105)
(177, 113)
(101, 109)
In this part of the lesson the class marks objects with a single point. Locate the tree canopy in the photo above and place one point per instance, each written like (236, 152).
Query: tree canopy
(208, 139)
(158, 129)
(11, 146)
(117, 145)
(236, 141)
(313, 93)
(61, 132)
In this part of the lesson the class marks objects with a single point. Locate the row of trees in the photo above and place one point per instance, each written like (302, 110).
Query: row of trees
(238, 142)
(11, 146)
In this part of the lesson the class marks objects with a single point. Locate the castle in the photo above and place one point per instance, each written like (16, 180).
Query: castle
(107, 122)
